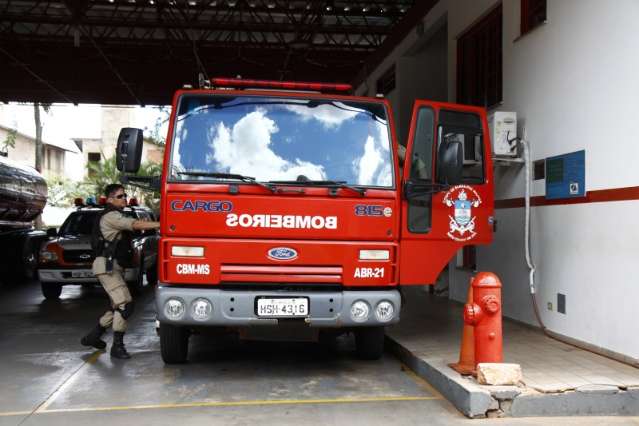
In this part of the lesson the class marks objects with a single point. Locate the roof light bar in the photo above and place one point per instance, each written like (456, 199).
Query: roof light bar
(286, 85)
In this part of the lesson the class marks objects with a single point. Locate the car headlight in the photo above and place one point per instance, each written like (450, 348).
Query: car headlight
(48, 256)
(174, 309)
(201, 309)
(384, 311)
(360, 311)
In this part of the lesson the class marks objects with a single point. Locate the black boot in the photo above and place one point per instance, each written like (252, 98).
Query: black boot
(117, 348)
(93, 338)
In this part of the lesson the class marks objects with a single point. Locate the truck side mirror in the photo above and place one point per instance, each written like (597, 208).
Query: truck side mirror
(450, 162)
(129, 150)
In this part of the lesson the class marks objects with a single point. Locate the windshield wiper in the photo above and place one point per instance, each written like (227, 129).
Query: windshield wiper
(328, 183)
(217, 175)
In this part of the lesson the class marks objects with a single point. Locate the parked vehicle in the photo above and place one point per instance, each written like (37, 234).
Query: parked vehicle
(285, 207)
(67, 257)
(23, 195)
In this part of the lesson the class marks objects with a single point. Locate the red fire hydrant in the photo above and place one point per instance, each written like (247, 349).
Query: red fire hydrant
(484, 314)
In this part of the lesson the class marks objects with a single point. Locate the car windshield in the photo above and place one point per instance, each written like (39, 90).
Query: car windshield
(81, 223)
(281, 139)
(78, 223)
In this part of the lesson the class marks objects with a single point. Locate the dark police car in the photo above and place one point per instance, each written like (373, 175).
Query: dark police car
(67, 258)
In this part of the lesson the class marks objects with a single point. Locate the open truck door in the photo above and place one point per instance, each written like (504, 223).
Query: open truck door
(447, 197)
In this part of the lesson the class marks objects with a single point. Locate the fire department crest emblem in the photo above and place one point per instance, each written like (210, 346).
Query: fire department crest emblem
(462, 198)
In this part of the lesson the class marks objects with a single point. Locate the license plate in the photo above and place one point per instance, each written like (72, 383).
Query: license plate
(81, 274)
(282, 307)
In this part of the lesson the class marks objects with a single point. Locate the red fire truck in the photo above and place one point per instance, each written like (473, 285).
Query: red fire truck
(293, 206)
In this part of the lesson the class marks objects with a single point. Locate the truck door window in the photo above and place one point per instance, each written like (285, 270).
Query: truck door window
(421, 169)
(465, 128)
(422, 157)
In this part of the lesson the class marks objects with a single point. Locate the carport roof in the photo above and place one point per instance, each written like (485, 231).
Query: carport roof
(140, 51)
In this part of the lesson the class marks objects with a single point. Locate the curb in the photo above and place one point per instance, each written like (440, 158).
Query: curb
(470, 399)
(476, 401)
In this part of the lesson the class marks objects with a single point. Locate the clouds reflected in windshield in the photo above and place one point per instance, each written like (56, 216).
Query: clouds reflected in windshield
(282, 139)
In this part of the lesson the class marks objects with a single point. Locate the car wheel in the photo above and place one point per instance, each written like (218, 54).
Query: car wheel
(137, 286)
(152, 276)
(369, 343)
(51, 291)
(30, 266)
(174, 343)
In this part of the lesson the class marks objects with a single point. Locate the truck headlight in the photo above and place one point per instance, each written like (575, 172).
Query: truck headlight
(201, 309)
(384, 311)
(174, 309)
(187, 251)
(374, 255)
(360, 311)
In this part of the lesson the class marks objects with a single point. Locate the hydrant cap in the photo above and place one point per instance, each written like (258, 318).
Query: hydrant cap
(486, 280)
(491, 304)
(471, 313)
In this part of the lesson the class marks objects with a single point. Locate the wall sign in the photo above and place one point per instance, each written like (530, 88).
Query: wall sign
(566, 175)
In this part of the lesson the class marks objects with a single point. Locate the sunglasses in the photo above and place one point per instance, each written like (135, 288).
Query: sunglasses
(121, 196)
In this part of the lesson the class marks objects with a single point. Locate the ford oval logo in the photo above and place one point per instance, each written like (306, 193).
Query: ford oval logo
(282, 253)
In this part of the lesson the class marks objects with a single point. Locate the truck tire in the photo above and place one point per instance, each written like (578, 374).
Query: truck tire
(174, 343)
(51, 291)
(369, 343)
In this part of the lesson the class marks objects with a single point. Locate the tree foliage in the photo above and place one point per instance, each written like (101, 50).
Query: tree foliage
(155, 134)
(62, 191)
(105, 172)
(9, 141)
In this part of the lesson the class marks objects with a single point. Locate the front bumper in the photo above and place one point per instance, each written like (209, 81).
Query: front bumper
(237, 308)
(78, 276)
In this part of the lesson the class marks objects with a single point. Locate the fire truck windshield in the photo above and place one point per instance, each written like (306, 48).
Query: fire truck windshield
(281, 139)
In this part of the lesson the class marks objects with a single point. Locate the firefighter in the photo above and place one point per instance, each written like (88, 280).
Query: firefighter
(111, 244)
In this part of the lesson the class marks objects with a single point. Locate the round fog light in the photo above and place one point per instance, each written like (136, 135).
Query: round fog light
(174, 309)
(360, 311)
(384, 311)
(201, 309)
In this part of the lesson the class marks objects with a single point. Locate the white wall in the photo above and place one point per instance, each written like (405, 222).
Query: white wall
(422, 75)
(24, 150)
(574, 85)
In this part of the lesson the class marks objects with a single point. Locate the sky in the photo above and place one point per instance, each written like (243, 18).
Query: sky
(66, 121)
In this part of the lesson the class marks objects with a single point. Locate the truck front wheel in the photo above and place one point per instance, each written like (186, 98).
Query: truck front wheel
(174, 343)
(369, 343)
(51, 291)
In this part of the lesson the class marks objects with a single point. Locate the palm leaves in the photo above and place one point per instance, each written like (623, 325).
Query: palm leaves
(105, 172)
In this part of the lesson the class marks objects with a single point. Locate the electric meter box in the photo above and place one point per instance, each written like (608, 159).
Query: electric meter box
(503, 127)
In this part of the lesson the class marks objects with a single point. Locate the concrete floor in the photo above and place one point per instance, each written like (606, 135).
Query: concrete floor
(47, 378)
(558, 379)
(431, 327)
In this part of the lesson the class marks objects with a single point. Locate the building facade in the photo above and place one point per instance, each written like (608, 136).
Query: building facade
(567, 68)
(23, 152)
(96, 150)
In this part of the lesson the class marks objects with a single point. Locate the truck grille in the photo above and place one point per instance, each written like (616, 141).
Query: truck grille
(282, 274)
(77, 256)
